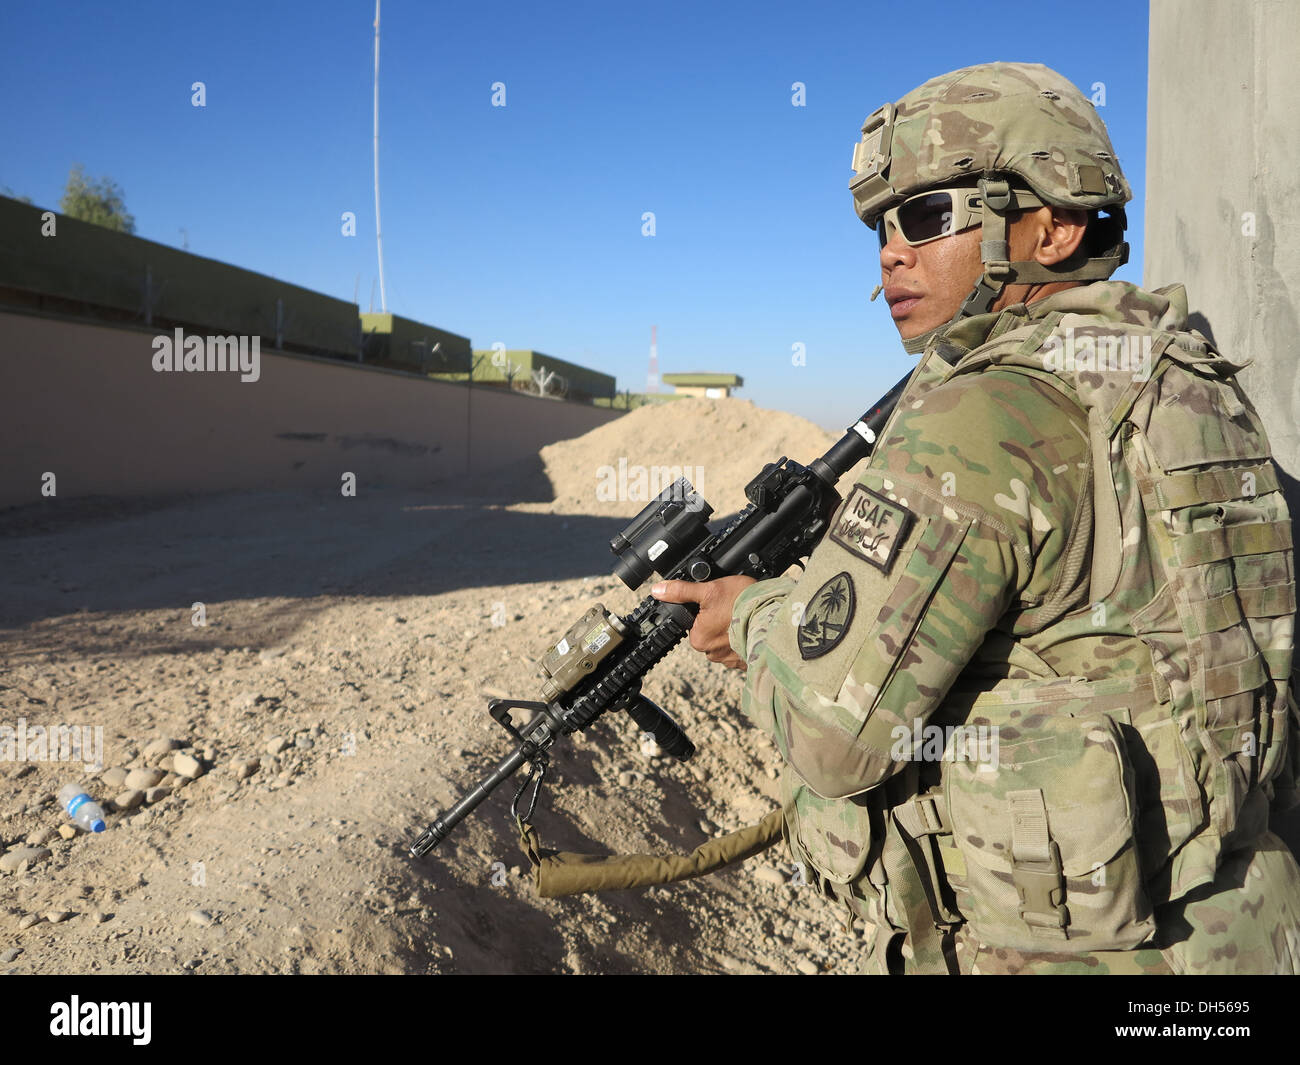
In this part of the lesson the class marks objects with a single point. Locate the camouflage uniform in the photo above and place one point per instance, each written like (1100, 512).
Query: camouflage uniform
(1088, 559)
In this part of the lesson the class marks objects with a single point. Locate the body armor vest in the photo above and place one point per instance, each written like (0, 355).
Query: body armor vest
(1111, 794)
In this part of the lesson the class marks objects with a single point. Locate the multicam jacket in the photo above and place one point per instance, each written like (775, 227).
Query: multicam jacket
(1032, 687)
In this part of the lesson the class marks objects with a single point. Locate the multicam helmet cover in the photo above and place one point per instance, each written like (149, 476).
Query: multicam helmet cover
(1007, 118)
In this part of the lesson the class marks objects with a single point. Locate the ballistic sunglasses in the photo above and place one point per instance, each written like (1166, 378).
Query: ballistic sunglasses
(941, 213)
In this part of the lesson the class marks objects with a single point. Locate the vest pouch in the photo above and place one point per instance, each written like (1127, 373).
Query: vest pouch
(1047, 832)
(1236, 727)
(833, 836)
(1281, 767)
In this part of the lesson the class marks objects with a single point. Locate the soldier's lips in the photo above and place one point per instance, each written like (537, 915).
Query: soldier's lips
(902, 307)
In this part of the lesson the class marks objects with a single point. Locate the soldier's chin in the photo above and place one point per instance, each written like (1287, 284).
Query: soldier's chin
(907, 330)
(912, 326)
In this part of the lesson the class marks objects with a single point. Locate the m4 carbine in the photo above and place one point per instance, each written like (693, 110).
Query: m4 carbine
(599, 664)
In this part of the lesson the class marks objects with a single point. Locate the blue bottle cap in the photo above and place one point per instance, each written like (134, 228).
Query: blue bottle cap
(97, 825)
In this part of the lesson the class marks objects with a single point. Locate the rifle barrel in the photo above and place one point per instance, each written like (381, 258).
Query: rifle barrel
(860, 439)
(441, 828)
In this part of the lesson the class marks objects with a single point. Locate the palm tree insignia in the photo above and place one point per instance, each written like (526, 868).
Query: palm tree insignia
(825, 624)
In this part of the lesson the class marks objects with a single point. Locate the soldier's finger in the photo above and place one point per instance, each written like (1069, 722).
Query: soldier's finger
(678, 592)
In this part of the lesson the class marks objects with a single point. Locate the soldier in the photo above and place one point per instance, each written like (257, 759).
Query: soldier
(1032, 688)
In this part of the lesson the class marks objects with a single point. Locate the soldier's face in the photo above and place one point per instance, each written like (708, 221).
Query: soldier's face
(924, 285)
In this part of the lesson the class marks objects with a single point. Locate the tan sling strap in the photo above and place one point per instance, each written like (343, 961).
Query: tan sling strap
(557, 873)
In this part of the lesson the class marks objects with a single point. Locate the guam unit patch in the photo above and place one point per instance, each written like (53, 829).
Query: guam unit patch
(871, 526)
(827, 618)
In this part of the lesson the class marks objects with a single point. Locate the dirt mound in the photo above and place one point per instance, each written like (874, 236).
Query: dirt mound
(717, 444)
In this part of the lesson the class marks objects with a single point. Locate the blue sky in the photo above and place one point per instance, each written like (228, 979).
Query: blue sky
(522, 224)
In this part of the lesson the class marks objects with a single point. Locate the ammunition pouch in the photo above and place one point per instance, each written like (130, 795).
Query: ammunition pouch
(1046, 834)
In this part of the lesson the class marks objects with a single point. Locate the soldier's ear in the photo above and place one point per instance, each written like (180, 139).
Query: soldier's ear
(1059, 232)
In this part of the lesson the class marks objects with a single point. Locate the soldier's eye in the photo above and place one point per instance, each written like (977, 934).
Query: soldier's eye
(926, 216)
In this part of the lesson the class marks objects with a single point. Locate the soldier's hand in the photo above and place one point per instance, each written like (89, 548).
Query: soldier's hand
(717, 599)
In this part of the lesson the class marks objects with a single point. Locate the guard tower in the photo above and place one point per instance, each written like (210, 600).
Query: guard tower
(708, 385)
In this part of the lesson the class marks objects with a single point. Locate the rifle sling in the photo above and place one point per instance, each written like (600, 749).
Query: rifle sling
(557, 873)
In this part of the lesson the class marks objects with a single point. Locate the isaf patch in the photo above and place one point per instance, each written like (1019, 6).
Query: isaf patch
(827, 618)
(871, 527)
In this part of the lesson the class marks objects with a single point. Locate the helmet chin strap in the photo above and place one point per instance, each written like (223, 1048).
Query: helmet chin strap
(917, 344)
(996, 200)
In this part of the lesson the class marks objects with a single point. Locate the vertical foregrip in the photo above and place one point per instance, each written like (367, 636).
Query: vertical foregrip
(626, 676)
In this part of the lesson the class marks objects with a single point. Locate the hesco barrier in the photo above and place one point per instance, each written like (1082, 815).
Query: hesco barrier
(401, 344)
(87, 270)
(517, 365)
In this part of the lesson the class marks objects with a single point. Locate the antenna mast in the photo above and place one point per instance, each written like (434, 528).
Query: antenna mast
(379, 240)
(652, 378)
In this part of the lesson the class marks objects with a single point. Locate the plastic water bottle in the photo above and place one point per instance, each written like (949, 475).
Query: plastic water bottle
(85, 812)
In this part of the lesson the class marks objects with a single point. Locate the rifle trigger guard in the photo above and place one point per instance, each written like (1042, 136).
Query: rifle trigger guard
(536, 773)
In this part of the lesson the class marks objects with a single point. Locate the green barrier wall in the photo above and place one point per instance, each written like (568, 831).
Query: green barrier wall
(83, 269)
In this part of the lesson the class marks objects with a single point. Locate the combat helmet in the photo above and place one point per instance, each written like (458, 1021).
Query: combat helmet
(1014, 126)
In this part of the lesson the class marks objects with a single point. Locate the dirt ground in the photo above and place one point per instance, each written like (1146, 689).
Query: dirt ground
(335, 702)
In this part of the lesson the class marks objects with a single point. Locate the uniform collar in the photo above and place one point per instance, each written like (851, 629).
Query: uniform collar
(1163, 310)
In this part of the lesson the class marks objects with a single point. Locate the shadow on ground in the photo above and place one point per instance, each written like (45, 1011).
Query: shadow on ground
(104, 556)
(69, 563)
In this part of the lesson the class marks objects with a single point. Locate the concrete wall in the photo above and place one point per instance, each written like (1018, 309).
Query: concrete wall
(84, 402)
(1223, 159)
(1223, 154)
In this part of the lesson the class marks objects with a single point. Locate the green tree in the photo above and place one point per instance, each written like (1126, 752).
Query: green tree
(99, 202)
